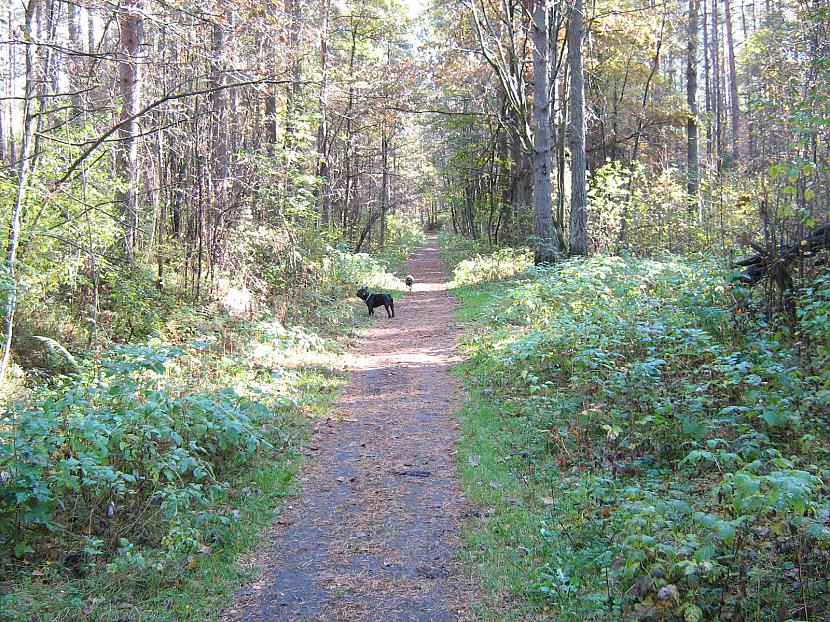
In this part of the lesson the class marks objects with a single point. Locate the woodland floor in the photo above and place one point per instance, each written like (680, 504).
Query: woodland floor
(372, 535)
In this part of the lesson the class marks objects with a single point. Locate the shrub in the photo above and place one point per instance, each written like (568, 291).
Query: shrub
(686, 441)
(500, 264)
(118, 456)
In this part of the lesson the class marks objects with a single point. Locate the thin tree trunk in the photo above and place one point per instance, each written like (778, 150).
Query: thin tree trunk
(579, 196)
(692, 155)
(129, 78)
(384, 192)
(707, 80)
(323, 149)
(24, 172)
(76, 45)
(716, 85)
(546, 244)
(734, 102)
(10, 85)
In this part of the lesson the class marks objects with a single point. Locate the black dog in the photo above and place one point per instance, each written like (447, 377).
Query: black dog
(409, 281)
(377, 300)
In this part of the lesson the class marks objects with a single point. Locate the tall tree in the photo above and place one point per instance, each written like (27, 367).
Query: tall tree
(323, 141)
(579, 164)
(25, 169)
(692, 155)
(129, 80)
(546, 243)
(717, 91)
(76, 49)
(734, 102)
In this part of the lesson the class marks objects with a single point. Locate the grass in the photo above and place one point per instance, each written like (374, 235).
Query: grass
(504, 535)
(496, 479)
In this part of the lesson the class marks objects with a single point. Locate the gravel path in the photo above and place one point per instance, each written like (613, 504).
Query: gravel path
(372, 535)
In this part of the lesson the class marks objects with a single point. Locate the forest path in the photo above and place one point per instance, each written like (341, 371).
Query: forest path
(372, 535)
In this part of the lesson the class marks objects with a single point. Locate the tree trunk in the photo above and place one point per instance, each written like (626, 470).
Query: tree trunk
(10, 85)
(293, 99)
(692, 156)
(717, 101)
(219, 104)
(24, 172)
(734, 102)
(707, 87)
(76, 45)
(579, 196)
(129, 80)
(384, 190)
(323, 170)
(546, 244)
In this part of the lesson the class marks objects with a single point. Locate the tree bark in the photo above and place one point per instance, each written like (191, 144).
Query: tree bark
(707, 86)
(129, 80)
(734, 102)
(692, 155)
(24, 172)
(717, 99)
(579, 196)
(546, 244)
(323, 147)
(219, 104)
(76, 45)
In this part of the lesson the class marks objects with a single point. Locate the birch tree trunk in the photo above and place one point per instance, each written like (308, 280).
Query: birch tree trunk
(129, 80)
(24, 172)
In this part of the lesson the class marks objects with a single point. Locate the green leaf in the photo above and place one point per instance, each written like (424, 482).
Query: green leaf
(692, 613)
(22, 548)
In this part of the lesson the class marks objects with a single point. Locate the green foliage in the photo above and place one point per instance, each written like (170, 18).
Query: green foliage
(634, 210)
(500, 264)
(474, 262)
(120, 480)
(678, 443)
(99, 454)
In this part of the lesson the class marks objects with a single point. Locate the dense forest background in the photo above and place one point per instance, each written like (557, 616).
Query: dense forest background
(192, 191)
(165, 147)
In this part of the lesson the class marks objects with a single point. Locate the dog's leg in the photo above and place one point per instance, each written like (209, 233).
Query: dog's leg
(392, 306)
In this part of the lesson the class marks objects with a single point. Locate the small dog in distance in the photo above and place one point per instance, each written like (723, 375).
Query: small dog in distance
(377, 300)
(409, 281)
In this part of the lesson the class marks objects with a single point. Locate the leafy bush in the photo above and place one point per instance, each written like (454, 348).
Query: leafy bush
(120, 457)
(686, 442)
(122, 478)
(500, 264)
(475, 262)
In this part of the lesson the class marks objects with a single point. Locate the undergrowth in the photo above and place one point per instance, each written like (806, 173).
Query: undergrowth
(132, 477)
(644, 446)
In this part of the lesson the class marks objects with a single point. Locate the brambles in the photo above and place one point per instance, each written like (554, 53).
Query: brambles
(683, 437)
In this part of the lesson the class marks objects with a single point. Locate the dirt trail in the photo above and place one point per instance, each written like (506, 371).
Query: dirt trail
(373, 533)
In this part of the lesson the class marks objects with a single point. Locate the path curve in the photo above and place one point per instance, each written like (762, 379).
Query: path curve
(372, 535)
